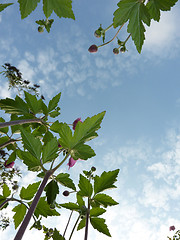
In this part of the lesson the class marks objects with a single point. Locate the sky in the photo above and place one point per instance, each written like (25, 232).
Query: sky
(140, 134)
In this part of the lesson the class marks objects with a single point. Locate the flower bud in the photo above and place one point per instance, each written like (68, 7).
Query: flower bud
(40, 29)
(97, 33)
(93, 169)
(10, 165)
(66, 193)
(123, 49)
(116, 51)
(93, 48)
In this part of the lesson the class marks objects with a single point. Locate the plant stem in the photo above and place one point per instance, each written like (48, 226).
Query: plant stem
(20, 122)
(108, 27)
(11, 141)
(112, 38)
(87, 220)
(32, 208)
(74, 227)
(127, 38)
(2, 204)
(67, 223)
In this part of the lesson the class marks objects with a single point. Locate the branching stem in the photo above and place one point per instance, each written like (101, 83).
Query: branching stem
(20, 122)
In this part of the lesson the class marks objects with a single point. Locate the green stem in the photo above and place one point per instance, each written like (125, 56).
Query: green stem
(87, 220)
(54, 169)
(2, 204)
(74, 227)
(11, 141)
(112, 38)
(20, 122)
(127, 39)
(108, 27)
(32, 208)
(68, 223)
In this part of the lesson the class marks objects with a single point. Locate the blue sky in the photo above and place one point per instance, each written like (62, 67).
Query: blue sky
(140, 92)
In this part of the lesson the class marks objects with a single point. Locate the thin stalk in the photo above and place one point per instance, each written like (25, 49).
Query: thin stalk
(68, 223)
(32, 208)
(108, 27)
(2, 204)
(54, 169)
(74, 227)
(11, 141)
(127, 38)
(87, 220)
(112, 38)
(20, 122)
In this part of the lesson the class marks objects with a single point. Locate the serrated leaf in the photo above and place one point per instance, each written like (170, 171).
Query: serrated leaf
(47, 8)
(105, 181)
(20, 211)
(33, 103)
(30, 161)
(96, 211)
(27, 6)
(99, 224)
(63, 8)
(32, 144)
(17, 106)
(5, 5)
(29, 192)
(52, 190)
(5, 129)
(44, 209)
(6, 191)
(50, 150)
(54, 114)
(81, 224)
(85, 186)
(70, 206)
(57, 235)
(136, 12)
(82, 151)
(54, 101)
(85, 131)
(154, 7)
(63, 178)
(105, 200)
(47, 137)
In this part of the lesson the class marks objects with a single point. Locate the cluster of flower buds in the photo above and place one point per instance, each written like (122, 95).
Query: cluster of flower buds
(100, 32)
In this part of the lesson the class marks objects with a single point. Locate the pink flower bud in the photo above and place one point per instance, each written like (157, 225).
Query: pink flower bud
(71, 162)
(93, 48)
(75, 122)
(10, 165)
(171, 228)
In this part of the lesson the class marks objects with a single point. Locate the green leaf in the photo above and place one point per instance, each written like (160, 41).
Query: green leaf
(85, 186)
(55, 113)
(17, 106)
(105, 181)
(5, 5)
(65, 133)
(32, 144)
(5, 129)
(63, 8)
(20, 211)
(63, 178)
(31, 162)
(80, 200)
(50, 150)
(2, 199)
(136, 12)
(52, 190)
(27, 6)
(154, 7)
(57, 235)
(70, 205)
(99, 224)
(4, 140)
(105, 200)
(81, 224)
(96, 211)
(47, 7)
(82, 151)
(12, 157)
(87, 130)
(44, 209)
(29, 192)
(47, 137)
(55, 100)
(48, 28)
(6, 191)
(33, 104)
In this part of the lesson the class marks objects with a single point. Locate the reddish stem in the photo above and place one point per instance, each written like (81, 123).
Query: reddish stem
(32, 208)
